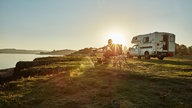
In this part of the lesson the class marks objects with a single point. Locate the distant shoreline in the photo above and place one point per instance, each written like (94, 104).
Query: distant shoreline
(19, 53)
(38, 52)
(30, 53)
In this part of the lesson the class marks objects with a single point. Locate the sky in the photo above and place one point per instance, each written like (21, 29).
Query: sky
(76, 24)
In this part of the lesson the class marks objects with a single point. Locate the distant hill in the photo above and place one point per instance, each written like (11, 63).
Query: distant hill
(59, 52)
(85, 51)
(20, 51)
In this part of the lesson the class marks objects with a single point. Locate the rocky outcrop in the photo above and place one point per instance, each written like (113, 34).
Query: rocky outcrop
(22, 65)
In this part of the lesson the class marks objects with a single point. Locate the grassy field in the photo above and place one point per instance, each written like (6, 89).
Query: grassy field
(140, 83)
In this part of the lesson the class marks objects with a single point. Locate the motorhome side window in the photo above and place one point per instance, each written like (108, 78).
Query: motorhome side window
(145, 39)
(172, 39)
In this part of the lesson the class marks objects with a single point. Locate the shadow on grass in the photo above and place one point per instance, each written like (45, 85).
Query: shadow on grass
(179, 62)
(136, 89)
(154, 91)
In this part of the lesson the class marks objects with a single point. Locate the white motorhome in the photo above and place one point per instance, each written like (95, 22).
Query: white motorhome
(157, 44)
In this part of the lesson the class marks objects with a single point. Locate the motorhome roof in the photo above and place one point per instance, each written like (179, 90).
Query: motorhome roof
(138, 38)
(154, 33)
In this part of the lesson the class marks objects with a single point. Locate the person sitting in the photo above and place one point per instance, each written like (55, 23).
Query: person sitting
(109, 49)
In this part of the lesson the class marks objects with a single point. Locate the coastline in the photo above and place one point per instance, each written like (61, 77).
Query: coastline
(6, 64)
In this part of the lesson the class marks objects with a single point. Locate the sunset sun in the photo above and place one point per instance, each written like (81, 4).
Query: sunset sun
(117, 38)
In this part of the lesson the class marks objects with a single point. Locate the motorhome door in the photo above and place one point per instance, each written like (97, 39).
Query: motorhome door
(165, 42)
(135, 50)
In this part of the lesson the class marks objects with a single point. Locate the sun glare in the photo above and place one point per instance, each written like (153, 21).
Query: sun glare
(118, 38)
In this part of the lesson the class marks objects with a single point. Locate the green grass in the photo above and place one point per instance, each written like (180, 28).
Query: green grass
(140, 83)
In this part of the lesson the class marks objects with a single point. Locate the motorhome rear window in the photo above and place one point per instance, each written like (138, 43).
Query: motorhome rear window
(145, 39)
